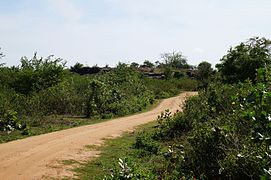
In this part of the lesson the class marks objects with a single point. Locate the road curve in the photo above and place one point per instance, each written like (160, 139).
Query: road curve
(36, 157)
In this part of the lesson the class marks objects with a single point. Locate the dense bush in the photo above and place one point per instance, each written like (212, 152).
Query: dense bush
(224, 133)
(10, 122)
(242, 61)
(144, 141)
(42, 87)
(163, 88)
(204, 73)
(35, 74)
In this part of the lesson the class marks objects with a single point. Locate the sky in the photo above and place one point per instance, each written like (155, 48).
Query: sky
(110, 31)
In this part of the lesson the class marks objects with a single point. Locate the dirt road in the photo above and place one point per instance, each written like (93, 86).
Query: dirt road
(39, 157)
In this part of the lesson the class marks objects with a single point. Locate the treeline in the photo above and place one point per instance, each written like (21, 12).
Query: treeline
(223, 133)
(42, 92)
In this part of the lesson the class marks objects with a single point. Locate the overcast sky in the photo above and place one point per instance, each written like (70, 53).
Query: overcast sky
(108, 31)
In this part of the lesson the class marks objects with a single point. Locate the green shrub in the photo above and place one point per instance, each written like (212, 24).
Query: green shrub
(41, 88)
(224, 132)
(166, 88)
(127, 170)
(170, 126)
(146, 142)
(10, 122)
(241, 62)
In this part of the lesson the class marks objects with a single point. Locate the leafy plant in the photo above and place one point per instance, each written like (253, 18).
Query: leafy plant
(10, 122)
(128, 171)
(204, 73)
(242, 61)
(224, 133)
(175, 60)
(145, 141)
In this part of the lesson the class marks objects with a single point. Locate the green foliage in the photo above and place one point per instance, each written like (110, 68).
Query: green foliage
(77, 66)
(128, 171)
(33, 75)
(118, 92)
(170, 126)
(134, 65)
(242, 61)
(148, 64)
(224, 133)
(168, 71)
(164, 88)
(144, 141)
(218, 133)
(65, 98)
(41, 88)
(175, 60)
(6, 96)
(10, 122)
(204, 72)
(179, 75)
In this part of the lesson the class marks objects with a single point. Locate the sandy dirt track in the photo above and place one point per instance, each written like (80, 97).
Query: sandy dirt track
(38, 157)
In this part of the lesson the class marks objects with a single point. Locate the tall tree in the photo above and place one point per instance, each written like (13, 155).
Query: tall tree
(134, 65)
(148, 64)
(175, 60)
(242, 61)
(205, 70)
